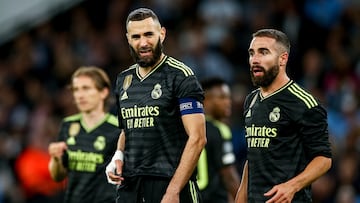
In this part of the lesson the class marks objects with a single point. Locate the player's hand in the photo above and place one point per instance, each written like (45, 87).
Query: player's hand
(113, 171)
(282, 193)
(56, 149)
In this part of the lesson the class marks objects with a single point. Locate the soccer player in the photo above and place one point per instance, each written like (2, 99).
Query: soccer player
(286, 128)
(218, 178)
(161, 113)
(86, 140)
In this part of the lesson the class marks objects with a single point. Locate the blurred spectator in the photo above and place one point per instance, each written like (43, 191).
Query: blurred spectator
(31, 166)
(341, 87)
(346, 194)
(323, 194)
(204, 61)
(220, 17)
(348, 180)
(10, 192)
(313, 69)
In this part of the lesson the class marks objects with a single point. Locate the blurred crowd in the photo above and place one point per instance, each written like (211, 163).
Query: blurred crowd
(210, 36)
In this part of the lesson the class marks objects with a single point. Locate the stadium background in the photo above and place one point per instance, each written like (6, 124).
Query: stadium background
(212, 37)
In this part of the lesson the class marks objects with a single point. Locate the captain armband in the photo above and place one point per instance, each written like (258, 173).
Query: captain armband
(190, 106)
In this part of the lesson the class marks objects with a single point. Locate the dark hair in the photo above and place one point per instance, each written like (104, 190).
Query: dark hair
(141, 14)
(279, 36)
(211, 82)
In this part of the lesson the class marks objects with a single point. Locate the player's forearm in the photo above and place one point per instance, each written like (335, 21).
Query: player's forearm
(56, 169)
(231, 180)
(316, 168)
(187, 164)
(241, 196)
(121, 141)
(195, 128)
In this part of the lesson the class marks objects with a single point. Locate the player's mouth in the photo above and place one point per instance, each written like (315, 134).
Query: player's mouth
(145, 52)
(82, 103)
(257, 71)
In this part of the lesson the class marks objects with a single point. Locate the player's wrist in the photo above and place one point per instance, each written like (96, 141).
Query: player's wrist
(119, 155)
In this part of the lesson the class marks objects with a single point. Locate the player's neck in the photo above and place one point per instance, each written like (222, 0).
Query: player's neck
(278, 83)
(143, 71)
(93, 118)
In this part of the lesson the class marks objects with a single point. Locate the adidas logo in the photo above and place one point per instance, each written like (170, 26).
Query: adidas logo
(248, 114)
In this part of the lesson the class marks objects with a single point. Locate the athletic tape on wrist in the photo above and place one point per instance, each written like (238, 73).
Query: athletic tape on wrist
(119, 155)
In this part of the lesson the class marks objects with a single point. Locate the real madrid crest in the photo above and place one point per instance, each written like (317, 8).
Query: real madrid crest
(100, 143)
(156, 92)
(74, 130)
(126, 85)
(274, 116)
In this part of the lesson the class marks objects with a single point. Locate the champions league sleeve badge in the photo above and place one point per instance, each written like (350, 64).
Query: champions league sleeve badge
(74, 130)
(126, 85)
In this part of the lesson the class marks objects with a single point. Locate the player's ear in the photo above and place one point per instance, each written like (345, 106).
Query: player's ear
(105, 93)
(283, 59)
(162, 34)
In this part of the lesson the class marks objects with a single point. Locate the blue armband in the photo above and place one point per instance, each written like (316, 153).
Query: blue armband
(190, 106)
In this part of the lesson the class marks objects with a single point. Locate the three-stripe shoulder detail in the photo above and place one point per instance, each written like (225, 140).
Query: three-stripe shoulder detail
(130, 68)
(299, 92)
(133, 66)
(179, 65)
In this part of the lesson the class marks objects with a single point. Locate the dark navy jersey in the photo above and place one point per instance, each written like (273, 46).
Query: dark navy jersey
(218, 153)
(149, 112)
(284, 132)
(88, 153)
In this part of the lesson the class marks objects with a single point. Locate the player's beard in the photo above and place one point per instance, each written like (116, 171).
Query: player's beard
(146, 62)
(268, 77)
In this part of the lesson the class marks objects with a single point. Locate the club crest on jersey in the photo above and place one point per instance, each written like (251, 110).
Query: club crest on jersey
(100, 143)
(126, 85)
(74, 130)
(156, 92)
(274, 116)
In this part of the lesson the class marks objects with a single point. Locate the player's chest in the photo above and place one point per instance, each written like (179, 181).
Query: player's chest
(269, 125)
(78, 138)
(151, 91)
(267, 113)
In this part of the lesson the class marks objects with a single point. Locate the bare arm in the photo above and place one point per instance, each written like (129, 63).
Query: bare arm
(286, 191)
(195, 127)
(231, 179)
(116, 163)
(121, 141)
(241, 196)
(56, 168)
(121, 147)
